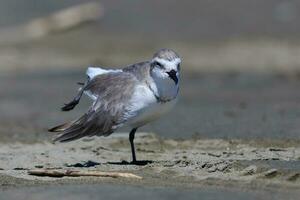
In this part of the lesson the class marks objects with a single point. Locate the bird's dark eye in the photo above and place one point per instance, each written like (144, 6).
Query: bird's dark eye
(158, 64)
(178, 67)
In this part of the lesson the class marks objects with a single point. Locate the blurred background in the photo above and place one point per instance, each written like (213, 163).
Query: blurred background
(241, 62)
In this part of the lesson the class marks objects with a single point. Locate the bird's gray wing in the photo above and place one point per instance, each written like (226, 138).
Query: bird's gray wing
(108, 112)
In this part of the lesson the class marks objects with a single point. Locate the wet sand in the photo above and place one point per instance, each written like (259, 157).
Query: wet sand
(190, 163)
(105, 191)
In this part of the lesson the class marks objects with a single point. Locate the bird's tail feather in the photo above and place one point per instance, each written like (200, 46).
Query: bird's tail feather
(61, 128)
(70, 130)
(83, 126)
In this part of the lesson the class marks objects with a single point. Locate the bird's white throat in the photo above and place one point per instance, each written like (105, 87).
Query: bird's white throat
(166, 88)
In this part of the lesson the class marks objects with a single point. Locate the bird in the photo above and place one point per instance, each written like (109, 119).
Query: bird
(131, 96)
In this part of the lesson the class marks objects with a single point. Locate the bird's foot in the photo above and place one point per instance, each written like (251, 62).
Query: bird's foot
(141, 162)
(136, 162)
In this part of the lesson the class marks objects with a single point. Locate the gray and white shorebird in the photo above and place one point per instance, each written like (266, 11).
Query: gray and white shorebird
(132, 96)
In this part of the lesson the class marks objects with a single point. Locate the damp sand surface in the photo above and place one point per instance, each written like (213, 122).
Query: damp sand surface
(168, 167)
(104, 191)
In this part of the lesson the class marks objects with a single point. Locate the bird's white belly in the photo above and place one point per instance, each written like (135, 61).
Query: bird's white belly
(145, 107)
(151, 113)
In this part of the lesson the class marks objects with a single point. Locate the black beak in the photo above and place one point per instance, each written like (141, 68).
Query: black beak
(172, 75)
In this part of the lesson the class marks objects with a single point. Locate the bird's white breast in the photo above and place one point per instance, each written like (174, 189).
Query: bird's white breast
(144, 107)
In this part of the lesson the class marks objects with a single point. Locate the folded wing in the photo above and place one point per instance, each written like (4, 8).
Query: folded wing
(108, 112)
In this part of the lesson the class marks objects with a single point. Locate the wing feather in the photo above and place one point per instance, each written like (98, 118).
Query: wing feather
(113, 91)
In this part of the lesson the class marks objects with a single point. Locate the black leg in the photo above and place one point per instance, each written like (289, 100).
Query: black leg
(134, 161)
(131, 138)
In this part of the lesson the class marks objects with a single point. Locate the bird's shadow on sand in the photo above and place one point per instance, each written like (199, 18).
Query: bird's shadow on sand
(90, 163)
(86, 164)
(138, 162)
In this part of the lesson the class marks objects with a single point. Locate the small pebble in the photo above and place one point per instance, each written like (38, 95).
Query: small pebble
(294, 177)
(250, 170)
(212, 169)
(270, 173)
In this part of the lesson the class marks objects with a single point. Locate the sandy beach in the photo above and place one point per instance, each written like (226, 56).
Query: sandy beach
(190, 163)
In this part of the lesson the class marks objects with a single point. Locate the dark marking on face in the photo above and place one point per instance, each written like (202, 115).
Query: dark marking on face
(158, 64)
(173, 76)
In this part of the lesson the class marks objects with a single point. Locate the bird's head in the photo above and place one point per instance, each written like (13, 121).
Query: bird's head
(165, 64)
